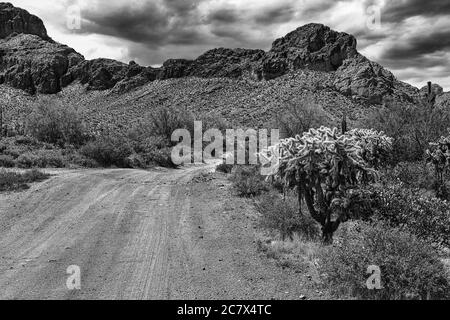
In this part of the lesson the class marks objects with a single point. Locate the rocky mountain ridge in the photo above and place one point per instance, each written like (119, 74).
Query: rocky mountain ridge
(31, 61)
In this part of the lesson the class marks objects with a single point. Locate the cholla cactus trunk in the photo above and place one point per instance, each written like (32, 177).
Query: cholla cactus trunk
(300, 197)
(344, 126)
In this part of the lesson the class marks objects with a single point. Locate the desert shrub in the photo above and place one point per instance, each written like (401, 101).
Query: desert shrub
(7, 161)
(56, 124)
(163, 121)
(248, 182)
(108, 150)
(298, 254)
(282, 215)
(159, 157)
(224, 168)
(135, 161)
(11, 181)
(150, 138)
(411, 174)
(34, 175)
(215, 121)
(411, 126)
(26, 140)
(410, 269)
(15, 146)
(150, 144)
(423, 215)
(77, 159)
(49, 159)
(41, 159)
(301, 115)
(26, 160)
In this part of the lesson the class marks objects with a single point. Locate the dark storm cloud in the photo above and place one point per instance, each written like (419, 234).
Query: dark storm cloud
(314, 8)
(155, 23)
(418, 46)
(396, 11)
(425, 61)
(223, 15)
(277, 14)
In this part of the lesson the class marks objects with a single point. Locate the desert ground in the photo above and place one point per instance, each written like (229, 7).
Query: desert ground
(135, 234)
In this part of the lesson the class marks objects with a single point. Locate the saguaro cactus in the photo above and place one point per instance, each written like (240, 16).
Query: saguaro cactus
(431, 95)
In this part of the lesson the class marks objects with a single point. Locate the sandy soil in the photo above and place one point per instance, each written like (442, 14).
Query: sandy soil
(135, 235)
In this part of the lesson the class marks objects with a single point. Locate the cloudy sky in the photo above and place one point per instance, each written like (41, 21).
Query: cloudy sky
(410, 37)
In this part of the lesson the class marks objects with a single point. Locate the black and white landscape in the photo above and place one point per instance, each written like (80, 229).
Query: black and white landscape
(109, 111)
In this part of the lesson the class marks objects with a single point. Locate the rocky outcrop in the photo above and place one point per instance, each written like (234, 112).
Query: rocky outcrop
(31, 61)
(15, 20)
(29, 58)
(35, 65)
(361, 78)
(103, 74)
(313, 47)
(136, 76)
(216, 63)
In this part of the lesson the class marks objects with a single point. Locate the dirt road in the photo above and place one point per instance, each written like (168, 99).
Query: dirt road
(135, 235)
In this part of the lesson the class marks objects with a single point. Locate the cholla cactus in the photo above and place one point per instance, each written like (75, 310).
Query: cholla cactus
(327, 167)
(376, 146)
(439, 156)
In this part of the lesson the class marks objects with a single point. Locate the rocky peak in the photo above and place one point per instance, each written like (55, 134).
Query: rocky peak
(317, 40)
(312, 46)
(15, 21)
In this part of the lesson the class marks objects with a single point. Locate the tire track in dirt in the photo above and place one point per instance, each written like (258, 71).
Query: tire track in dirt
(135, 235)
(112, 223)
